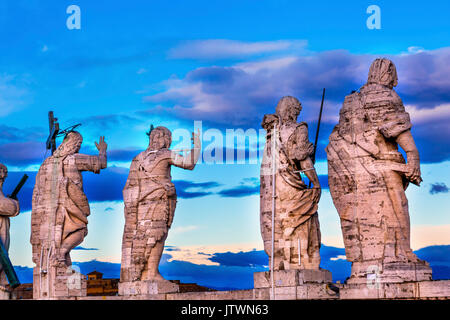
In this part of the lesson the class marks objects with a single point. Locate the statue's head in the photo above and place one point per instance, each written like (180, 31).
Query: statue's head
(3, 172)
(383, 71)
(160, 138)
(70, 145)
(288, 109)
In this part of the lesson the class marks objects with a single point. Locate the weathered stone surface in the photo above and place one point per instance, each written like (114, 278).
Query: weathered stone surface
(439, 289)
(421, 290)
(59, 218)
(213, 295)
(135, 288)
(287, 153)
(150, 200)
(368, 177)
(4, 293)
(287, 278)
(8, 208)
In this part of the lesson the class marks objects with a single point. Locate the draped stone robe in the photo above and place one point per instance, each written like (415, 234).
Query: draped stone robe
(60, 206)
(366, 179)
(150, 201)
(296, 220)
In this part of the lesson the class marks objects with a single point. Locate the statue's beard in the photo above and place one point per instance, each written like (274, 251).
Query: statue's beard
(66, 150)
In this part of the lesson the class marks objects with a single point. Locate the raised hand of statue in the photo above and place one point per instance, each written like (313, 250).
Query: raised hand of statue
(101, 145)
(196, 138)
(317, 191)
(413, 173)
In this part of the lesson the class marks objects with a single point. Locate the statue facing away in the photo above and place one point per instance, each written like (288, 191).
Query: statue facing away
(368, 177)
(287, 153)
(150, 200)
(8, 208)
(59, 213)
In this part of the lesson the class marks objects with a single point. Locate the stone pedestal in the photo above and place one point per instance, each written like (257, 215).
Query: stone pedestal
(417, 290)
(59, 282)
(5, 294)
(295, 285)
(396, 272)
(145, 288)
(287, 278)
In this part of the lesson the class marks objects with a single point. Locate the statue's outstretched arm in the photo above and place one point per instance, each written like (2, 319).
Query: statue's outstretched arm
(190, 160)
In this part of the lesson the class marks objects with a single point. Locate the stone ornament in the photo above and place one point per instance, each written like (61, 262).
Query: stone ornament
(8, 208)
(59, 217)
(288, 152)
(150, 199)
(368, 177)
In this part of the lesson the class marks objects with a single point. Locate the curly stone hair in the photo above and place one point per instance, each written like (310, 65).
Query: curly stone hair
(160, 138)
(288, 106)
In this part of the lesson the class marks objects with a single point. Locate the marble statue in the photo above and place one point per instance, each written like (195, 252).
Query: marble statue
(368, 177)
(288, 152)
(59, 215)
(8, 208)
(150, 199)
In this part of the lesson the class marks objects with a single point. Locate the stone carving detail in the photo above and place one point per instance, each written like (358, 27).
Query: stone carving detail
(59, 217)
(8, 208)
(296, 220)
(368, 177)
(150, 200)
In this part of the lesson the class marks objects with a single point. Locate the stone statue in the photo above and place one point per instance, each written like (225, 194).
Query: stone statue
(59, 213)
(150, 200)
(287, 153)
(368, 177)
(8, 208)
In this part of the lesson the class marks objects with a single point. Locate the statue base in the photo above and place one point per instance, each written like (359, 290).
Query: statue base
(296, 277)
(414, 290)
(143, 288)
(5, 293)
(295, 284)
(59, 282)
(395, 272)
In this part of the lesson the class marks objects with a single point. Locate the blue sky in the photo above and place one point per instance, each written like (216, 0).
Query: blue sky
(225, 63)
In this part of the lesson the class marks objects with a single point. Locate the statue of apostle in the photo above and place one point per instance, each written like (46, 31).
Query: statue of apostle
(287, 153)
(150, 200)
(60, 210)
(368, 177)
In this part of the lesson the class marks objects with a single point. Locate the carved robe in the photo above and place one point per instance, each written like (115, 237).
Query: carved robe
(296, 220)
(150, 201)
(60, 206)
(363, 161)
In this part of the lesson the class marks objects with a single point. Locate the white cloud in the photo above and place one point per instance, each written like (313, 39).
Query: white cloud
(339, 257)
(201, 254)
(141, 71)
(274, 64)
(223, 48)
(423, 115)
(182, 229)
